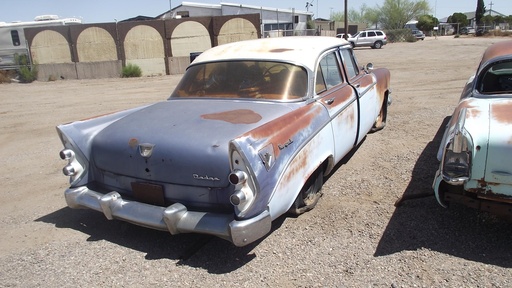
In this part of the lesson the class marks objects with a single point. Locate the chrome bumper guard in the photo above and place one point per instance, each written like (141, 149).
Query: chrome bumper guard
(176, 218)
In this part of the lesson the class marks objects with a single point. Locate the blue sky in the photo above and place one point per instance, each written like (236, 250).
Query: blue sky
(96, 11)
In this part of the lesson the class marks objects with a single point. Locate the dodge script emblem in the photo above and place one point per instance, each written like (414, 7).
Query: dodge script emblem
(146, 149)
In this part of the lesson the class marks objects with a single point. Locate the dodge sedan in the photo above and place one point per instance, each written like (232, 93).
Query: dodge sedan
(476, 151)
(247, 135)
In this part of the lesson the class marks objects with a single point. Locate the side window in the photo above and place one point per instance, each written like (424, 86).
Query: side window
(371, 34)
(363, 34)
(350, 63)
(15, 38)
(328, 73)
(379, 33)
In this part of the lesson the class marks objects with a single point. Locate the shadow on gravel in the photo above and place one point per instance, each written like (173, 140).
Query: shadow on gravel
(213, 254)
(420, 222)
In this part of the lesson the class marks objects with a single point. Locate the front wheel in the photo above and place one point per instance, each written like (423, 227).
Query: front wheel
(309, 194)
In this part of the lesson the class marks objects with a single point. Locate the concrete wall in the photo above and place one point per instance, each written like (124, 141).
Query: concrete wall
(158, 47)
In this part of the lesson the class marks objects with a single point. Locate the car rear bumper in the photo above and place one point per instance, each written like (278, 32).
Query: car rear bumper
(175, 218)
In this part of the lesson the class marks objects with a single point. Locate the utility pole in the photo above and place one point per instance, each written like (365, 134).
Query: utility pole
(346, 20)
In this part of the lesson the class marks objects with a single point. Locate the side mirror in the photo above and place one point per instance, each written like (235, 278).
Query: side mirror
(368, 67)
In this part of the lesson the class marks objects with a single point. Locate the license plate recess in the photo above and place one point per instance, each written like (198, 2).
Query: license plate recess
(148, 193)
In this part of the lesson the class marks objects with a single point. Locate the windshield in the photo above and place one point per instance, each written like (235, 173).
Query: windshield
(243, 79)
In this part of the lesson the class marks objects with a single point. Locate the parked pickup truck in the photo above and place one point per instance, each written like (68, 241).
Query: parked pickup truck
(248, 135)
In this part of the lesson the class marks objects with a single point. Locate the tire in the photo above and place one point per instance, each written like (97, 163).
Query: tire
(309, 194)
(353, 44)
(377, 45)
(380, 121)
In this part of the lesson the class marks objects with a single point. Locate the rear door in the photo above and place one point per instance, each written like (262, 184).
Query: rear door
(339, 98)
(372, 37)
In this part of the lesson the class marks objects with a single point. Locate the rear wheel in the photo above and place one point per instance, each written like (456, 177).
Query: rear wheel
(377, 45)
(309, 194)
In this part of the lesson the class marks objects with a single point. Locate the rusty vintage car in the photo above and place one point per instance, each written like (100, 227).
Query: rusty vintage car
(247, 135)
(476, 150)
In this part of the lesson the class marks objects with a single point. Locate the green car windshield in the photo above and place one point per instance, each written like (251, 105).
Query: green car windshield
(243, 79)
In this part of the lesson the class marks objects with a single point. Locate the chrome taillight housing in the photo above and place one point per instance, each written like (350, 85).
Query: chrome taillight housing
(76, 167)
(245, 192)
(456, 162)
(73, 169)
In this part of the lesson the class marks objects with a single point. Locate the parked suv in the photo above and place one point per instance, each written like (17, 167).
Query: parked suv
(372, 38)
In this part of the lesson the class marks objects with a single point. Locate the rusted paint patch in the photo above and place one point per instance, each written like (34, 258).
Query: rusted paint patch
(502, 112)
(276, 132)
(496, 50)
(341, 97)
(383, 76)
(240, 116)
(471, 108)
(366, 81)
(133, 142)
(280, 50)
(299, 164)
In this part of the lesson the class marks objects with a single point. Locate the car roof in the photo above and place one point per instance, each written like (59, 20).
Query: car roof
(497, 50)
(302, 50)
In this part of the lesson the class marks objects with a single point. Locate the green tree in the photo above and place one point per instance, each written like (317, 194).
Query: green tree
(499, 19)
(480, 11)
(395, 13)
(367, 15)
(372, 17)
(460, 19)
(508, 20)
(355, 16)
(338, 16)
(487, 20)
(427, 22)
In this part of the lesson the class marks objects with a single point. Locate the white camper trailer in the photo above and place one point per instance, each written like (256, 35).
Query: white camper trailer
(12, 37)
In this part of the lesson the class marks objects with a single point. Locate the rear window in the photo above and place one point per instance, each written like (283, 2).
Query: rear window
(243, 79)
(496, 79)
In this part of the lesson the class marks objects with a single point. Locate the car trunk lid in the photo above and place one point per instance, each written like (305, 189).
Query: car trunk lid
(182, 142)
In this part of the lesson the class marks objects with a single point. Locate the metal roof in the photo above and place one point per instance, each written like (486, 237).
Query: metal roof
(303, 50)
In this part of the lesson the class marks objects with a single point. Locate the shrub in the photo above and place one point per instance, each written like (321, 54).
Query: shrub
(26, 73)
(398, 35)
(6, 76)
(131, 70)
(410, 38)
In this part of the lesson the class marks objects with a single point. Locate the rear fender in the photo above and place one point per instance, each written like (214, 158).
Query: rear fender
(296, 144)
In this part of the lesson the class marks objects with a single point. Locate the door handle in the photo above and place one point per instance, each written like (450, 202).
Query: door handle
(329, 101)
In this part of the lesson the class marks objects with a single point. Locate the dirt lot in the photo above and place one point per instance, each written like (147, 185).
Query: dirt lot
(355, 237)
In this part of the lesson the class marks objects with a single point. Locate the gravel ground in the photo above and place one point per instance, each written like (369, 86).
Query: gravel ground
(355, 237)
